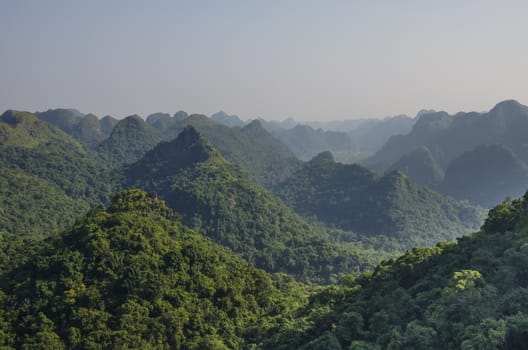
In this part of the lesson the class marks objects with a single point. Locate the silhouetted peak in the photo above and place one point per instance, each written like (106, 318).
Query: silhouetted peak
(154, 117)
(226, 119)
(131, 122)
(433, 121)
(254, 125)
(303, 128)
(10, 117)
(180, 115)
(325, 156)
(134, 118)
(219, 114)
(198, 118)
(506, 107)
(90, 118)
(189, 136)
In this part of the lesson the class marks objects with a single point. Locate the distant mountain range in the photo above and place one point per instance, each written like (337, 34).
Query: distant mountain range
(468, 148)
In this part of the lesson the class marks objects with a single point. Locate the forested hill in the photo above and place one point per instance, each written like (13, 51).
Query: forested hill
(132, 276)
(48, 178)
(467, 295)
(354, 198)
(217, 198)
(266, 159)
(130, 139)
(87, 129)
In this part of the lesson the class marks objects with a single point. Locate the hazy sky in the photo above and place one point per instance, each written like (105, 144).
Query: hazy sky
(312, 60)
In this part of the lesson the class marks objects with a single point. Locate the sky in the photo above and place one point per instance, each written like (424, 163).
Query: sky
(310, 60)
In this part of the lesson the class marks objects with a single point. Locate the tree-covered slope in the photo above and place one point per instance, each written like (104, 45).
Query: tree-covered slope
(132, 276)
(486, 175)
(41, 158)
(63, 118)
(420, 166)
(353, 198)
(131, 138)
(266, 159)
(468, 295)
(33, 206)
(218, 198)
(87, 129)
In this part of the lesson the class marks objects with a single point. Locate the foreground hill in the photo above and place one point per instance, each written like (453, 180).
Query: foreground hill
(468, 295)
(218, 198)
(354, 198)
(56, 177)
(132, 276)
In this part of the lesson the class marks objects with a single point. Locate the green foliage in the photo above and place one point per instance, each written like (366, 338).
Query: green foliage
(130, 139)
(486, 175)
(218, 199)
(483, 154)
(49, 177)
(132, 276)
(420, 166)
(32, 206)
(263, 157)
(469, 295)
(353, 198)
(87, 129)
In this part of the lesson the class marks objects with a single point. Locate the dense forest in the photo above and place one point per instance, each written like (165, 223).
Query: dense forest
(189, 232)
(471, 294)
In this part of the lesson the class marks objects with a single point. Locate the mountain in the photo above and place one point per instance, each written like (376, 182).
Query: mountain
(218, 199)
(131, 138)
(265, 158)
(64, 119)
(466, 295)
(88, 129)
(420, 166)
(132, 276)
(486, 175)
(276, 126)
(371, 135)
(107, 124)
(448, 137)
(352, 197)
(54, 176)
(306, 142)
(227, 120)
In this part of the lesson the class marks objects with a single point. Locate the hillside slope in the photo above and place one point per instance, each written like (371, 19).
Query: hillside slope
(132, 276)
(41, 161)
(468, 295)
(218, 198)
(352, 197)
